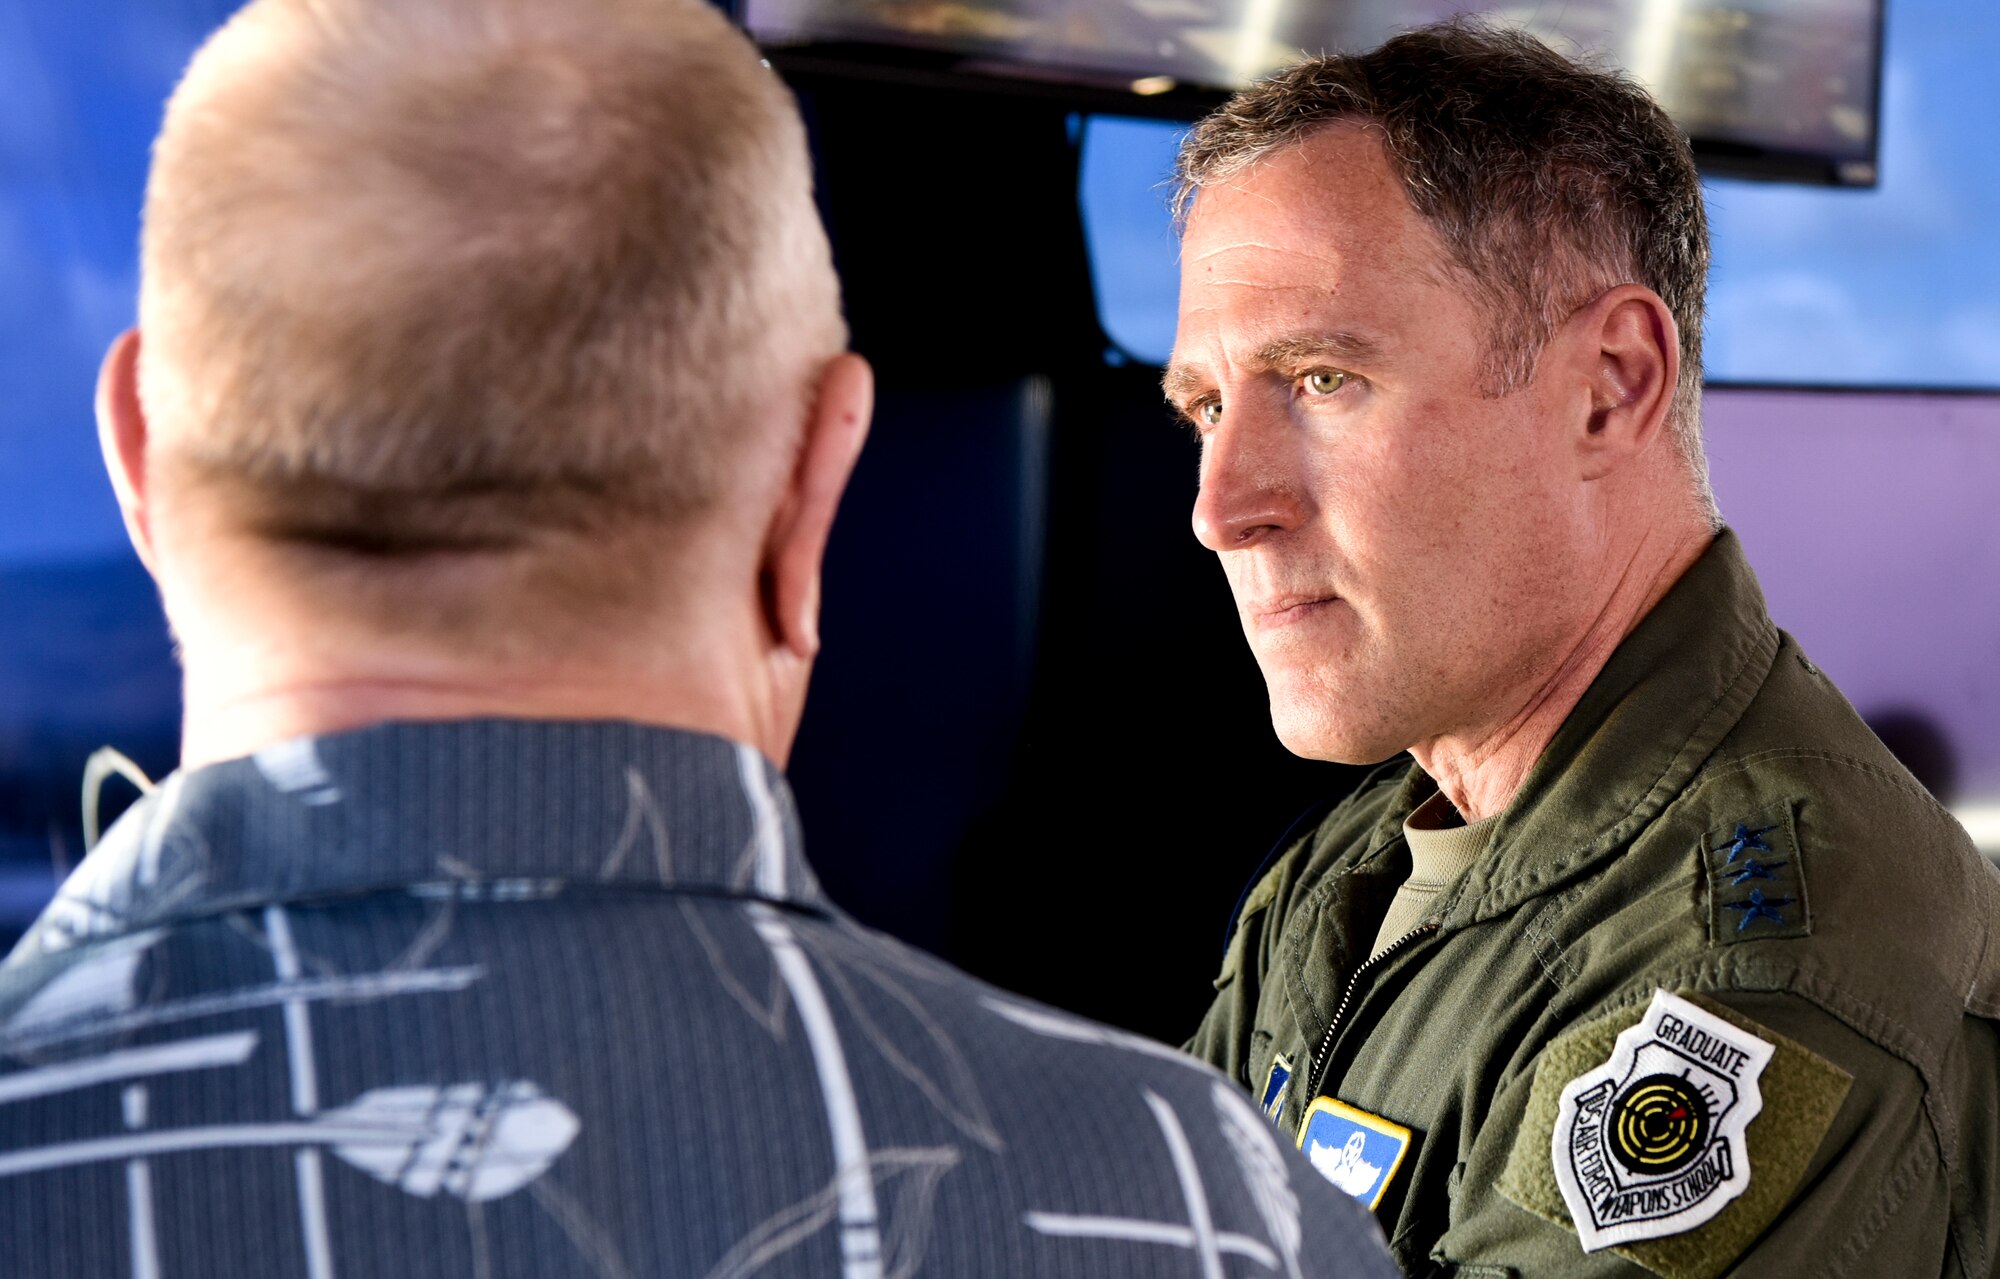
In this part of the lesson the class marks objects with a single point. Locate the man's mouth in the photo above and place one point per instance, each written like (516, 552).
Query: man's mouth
(1289, 610)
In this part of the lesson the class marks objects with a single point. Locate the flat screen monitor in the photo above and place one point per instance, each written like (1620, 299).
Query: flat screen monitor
(1783, 89)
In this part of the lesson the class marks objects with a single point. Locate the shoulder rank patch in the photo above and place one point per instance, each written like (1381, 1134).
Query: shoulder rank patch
(1673, 1135)
(1277, 1088)
(1756, 879)
(1353, 1149)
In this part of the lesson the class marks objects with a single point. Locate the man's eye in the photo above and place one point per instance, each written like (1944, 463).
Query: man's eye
(1209, 412)
(1323, 381)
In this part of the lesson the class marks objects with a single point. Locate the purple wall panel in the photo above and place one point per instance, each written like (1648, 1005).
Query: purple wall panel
(1873, 524)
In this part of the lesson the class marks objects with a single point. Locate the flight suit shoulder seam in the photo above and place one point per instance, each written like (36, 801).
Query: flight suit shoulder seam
(1730, 972)
(1745, 763)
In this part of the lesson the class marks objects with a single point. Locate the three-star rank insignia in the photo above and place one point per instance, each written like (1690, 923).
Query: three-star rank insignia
(1673, 1135)
(1756, 879)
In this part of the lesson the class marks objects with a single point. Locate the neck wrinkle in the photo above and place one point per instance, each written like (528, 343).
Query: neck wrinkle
(1481, 772)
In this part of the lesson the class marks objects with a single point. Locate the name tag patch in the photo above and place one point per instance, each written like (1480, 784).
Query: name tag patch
(1651, 1143)
(1277, 1088)
(1356, 1151)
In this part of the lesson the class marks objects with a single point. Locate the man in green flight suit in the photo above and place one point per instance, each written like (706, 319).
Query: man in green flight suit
(1648, 958)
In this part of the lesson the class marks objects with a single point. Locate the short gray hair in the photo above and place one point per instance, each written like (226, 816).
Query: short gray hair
(1548, 181)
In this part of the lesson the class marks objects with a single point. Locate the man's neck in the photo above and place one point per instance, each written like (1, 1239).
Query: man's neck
(232, 716)
(1481, 769)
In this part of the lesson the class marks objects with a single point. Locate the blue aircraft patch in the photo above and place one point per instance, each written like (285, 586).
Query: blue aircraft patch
(1353, 1149)
(1277, 1088)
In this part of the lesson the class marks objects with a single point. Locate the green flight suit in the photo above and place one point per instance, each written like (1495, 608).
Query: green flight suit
(1857, 934)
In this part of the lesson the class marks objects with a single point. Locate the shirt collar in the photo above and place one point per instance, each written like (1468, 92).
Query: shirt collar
(501, 806)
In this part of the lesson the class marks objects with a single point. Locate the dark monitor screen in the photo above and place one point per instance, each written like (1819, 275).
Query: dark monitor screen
(1772, 88)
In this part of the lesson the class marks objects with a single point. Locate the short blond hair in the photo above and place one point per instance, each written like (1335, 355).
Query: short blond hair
(424, 276)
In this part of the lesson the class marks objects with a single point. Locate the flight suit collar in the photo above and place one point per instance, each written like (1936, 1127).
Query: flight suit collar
(1647, 723)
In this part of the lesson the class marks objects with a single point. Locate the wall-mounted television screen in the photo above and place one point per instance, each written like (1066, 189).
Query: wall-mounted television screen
(1766, 88)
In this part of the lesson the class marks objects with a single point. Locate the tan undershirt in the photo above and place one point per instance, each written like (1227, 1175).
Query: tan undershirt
(1442, 846)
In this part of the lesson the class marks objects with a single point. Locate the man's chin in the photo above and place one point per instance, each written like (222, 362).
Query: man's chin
(1311, 732)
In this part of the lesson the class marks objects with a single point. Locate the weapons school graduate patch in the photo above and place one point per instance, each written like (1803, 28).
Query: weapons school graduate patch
(1353, 1149)
(1651, 1142)
(1674, 1135)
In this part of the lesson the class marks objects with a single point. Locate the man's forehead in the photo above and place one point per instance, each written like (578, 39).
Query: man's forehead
(1313, 246)
(1333, 188)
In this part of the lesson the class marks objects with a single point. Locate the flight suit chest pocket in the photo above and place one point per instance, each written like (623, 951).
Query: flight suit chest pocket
(1316, 955)
(1282, 1024)
(1281, 1040)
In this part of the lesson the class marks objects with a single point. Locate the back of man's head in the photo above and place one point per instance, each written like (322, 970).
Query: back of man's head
(529, 285)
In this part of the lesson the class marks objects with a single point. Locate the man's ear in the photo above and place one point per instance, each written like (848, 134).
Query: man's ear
(835, 429)
(1632, 349)
(122, 435)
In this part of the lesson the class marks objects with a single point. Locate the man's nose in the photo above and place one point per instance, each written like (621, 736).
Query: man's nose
(1248, 490)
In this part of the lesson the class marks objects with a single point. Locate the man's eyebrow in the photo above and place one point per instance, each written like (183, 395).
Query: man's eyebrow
(1180, 381)
(1341, 347)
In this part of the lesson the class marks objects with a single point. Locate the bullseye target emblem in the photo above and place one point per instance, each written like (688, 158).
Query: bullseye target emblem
(1658, 1125)
(1654, 1142)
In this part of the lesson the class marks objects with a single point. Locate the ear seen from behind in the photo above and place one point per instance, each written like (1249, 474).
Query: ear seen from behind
(122, 434)
(835, 430)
